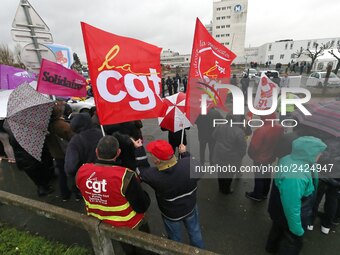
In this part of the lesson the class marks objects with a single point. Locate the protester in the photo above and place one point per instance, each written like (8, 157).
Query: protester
(175, 84)
(245, 84)
(168, 83)
(40, 172)
(285, 80)
(175, 190)
(113, 193)
(292, 196)
(4, 139)
(185, 83)
(229, 150)
(261, 151)
(82, 147)
(60, 133)
(205, 130)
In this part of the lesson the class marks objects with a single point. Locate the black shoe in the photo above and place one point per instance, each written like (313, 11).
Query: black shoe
(251, 196)
(44, 190)
(336, 222)
(226, 192)
(78, 196)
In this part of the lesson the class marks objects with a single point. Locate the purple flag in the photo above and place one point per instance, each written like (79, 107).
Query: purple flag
(11, 77)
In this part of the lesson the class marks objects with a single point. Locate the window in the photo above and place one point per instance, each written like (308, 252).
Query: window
(223, 8)
(218, 18)
(269, 47)
(291, 46)
(229, 7)
(292, 56)
(223, 17)
(271, 57)
(229, 26)
(286, 46)
(227, 34)
(227, 43)
(223, 26)
(228, 17)
(315, 44)
(332, 43)
(222, 35)
(338, 43)
(218, 9)
(308, 45)
(217, 35)
(282, 56)
(217, 27)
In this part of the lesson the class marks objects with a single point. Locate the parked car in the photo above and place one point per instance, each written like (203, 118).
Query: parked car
(270, 74)
(81, 105)
(318, 79)
(252, 72)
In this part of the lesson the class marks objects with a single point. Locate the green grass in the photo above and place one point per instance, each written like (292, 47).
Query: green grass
(15, 242)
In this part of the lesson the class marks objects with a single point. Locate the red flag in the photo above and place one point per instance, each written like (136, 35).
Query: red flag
(125, 75)
(54, 79)
(210, 66)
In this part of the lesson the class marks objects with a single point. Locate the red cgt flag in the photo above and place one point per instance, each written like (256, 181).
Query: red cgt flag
(209, 67)
(125, 75)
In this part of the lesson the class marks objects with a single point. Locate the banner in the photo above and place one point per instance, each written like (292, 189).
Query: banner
(125, 75)
(209, 67)
(264, 94)
(62, 53)
(11, 77)
(54, 79)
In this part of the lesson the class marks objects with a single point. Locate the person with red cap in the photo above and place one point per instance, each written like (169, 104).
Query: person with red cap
(175, 190)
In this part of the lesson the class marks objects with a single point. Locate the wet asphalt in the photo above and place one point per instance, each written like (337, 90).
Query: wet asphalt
(231, 224)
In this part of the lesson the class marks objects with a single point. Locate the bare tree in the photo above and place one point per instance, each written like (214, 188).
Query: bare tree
(6, 55)
(314, 52)
(337, 57)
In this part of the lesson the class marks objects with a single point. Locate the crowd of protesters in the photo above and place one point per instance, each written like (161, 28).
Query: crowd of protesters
(107, 172)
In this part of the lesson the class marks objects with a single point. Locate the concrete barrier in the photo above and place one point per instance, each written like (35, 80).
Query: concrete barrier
(104, 237)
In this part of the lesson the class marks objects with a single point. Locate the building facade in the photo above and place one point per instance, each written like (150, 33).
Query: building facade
(174, 59)
(229, 24)
(284, 51)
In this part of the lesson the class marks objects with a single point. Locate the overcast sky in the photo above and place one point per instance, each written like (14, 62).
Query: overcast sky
(170, 23)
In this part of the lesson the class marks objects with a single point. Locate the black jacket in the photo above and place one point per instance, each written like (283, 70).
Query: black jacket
(175, 190)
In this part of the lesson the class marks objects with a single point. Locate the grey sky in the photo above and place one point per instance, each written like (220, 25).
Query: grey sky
(170, 23)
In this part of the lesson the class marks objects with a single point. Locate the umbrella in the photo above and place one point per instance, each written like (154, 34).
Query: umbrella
(325, 116)
(4, 96)
(173, 115)
(28, 116)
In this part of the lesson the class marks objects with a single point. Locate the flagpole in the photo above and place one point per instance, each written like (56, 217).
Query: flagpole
(182, 137)
(102, 128)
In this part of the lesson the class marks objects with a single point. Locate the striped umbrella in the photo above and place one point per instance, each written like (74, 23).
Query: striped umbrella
(325, 116)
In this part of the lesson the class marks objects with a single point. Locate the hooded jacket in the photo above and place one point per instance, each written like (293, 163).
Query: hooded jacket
(82, 147)
(291, 199)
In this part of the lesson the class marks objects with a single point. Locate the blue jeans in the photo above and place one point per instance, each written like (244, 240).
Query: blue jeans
(174, 229)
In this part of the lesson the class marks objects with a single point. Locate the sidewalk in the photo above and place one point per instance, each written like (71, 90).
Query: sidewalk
(231, 224)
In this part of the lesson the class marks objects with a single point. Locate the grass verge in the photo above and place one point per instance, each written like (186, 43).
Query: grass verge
(14, 242)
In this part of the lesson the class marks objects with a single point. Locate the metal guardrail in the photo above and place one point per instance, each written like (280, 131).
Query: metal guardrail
(104, 237)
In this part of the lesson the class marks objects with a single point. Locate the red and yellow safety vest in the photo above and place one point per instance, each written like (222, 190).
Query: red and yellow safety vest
(101, 188)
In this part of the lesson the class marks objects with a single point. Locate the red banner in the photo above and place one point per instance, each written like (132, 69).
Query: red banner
(209, 67)
(54, 79)
(125, 75)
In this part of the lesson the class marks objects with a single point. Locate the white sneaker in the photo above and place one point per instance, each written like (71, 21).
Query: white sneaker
(325, 230)
(310, 227)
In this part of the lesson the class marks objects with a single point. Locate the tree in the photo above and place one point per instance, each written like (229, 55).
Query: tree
(6, 55)
(337, 57)
(10, 58)
(314, 52)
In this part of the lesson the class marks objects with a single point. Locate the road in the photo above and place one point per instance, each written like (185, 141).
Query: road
(231, 224)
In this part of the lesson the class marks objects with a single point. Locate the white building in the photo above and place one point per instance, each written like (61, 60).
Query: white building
(174, 59)
(284, 51)
(229, 24)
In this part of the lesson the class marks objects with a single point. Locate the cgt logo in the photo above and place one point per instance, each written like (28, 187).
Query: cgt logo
(95, 185)
(140, 87)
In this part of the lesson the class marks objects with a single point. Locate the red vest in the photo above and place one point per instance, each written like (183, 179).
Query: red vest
(101, 187)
